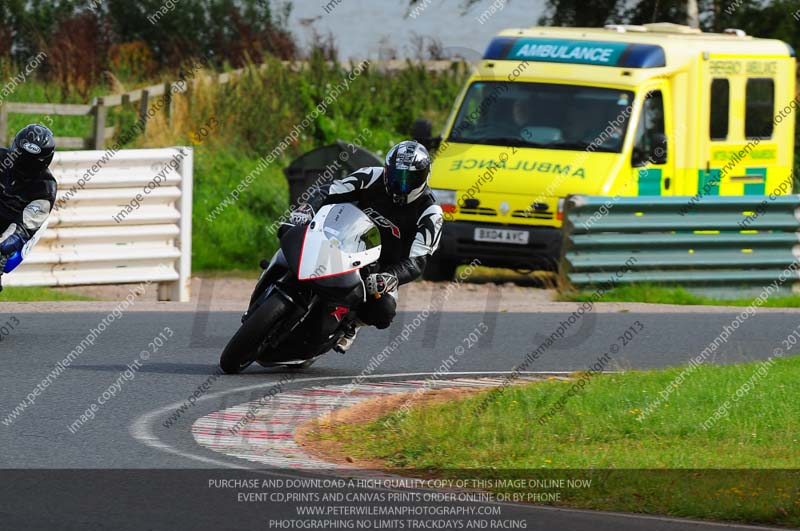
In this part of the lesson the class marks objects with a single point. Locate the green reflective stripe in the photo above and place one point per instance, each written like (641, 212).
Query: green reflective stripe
(650, 181)
(756, 188)
(708, 183)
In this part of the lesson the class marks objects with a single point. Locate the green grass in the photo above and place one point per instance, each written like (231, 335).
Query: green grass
(40, 92)
(247, 274)
(671, 295)
(598, 433)
(480, 274)
(35, 294)
(237, 237)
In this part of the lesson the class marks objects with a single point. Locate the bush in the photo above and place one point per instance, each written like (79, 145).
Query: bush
(247, 128)
(260, 108)
(238, 238)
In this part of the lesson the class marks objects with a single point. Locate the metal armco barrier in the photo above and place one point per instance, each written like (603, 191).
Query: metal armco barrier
(720, 242)
(84, 243)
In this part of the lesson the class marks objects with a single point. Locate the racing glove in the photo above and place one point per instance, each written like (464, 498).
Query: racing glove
(304, 214)
(11, 245)
(380, 283)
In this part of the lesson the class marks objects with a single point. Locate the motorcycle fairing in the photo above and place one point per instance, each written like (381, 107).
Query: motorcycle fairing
(276, 268)
(339, 240)
(333, 286)
(315, 335)
(16, 259)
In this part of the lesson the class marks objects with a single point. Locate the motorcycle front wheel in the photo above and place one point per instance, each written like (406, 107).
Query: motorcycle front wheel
(243, 347)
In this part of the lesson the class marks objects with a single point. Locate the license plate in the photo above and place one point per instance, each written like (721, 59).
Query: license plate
(518, 237)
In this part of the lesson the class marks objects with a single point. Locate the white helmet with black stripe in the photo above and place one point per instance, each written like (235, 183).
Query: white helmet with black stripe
(406, 172)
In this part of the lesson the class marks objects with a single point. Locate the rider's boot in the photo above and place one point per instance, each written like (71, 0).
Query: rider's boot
(349, 337)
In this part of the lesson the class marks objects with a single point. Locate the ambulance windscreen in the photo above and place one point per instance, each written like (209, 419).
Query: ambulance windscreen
(544, 115)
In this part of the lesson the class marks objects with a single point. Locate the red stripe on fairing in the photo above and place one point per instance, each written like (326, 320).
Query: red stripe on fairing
(328, 276)
(300, 264)
(302, 248)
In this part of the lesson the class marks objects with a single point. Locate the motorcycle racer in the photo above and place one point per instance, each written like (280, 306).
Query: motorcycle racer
(399, 201)
(27, 188)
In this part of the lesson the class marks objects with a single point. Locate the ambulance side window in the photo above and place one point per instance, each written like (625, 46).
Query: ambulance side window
(759, 108)
(650, 143)
(720, 99)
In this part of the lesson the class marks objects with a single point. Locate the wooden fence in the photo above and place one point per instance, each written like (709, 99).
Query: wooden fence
(98, 108)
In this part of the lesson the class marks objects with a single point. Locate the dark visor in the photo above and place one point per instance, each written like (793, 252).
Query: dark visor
(403, 181)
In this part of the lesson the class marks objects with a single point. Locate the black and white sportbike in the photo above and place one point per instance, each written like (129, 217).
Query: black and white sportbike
(308, 294)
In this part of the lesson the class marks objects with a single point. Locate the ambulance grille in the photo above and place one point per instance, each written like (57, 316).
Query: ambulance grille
(532, 214)
(480, 211)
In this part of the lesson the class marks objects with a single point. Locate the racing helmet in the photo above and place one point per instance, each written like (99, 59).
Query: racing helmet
(406, 171)
(32, 150)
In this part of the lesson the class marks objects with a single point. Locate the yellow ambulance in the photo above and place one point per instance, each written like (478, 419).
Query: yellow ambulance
(653, 110)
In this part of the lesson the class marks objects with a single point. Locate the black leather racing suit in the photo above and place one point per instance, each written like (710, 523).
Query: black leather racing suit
(25, 202)
(410, 233)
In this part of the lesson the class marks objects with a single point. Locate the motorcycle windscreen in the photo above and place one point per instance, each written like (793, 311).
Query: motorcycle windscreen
(340, 239)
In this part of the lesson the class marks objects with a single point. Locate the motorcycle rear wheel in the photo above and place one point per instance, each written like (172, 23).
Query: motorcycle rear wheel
(243, 347)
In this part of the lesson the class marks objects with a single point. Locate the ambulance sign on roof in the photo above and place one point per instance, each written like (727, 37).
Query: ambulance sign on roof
(564, 51)
(574, 51)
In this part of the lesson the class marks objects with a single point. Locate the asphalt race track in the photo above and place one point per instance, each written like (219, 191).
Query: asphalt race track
(40, 436)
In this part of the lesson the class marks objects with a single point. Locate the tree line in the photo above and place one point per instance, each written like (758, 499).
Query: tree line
(85, 38)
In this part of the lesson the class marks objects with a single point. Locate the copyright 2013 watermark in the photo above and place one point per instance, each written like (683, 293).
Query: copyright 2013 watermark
(9, 326)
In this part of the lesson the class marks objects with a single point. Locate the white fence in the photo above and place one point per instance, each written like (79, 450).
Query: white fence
(121, 217)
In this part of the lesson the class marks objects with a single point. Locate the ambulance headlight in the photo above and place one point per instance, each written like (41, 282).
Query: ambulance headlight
(446, 199)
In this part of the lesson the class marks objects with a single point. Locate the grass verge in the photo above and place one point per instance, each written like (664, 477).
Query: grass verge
(543, 279)
(668, 295)
(662, 463)
(37, 294)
